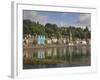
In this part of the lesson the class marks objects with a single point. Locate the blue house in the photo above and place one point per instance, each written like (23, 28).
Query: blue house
(41, 39)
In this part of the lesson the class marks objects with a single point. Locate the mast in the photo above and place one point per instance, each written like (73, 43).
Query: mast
(70, 38)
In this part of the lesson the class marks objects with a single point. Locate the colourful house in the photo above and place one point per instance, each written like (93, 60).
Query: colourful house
(41, 39)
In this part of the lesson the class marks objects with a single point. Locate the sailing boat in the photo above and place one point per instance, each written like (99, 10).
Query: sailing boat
(70, 40)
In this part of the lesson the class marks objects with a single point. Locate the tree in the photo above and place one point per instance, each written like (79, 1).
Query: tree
(52, 30)
(87, 33)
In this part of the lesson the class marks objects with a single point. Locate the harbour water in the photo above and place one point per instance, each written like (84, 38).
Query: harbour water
(53, 57)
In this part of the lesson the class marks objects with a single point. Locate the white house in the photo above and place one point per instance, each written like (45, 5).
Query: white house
(84, 42)
(49, 41)
(70, 43)
(54, 40)
(78, 41)
(64, 40)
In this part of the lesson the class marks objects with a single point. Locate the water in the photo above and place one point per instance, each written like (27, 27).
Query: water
(70, 56)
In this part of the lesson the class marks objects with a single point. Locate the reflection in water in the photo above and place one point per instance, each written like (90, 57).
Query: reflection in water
(57, 57)
(48, 52)
(40, 53)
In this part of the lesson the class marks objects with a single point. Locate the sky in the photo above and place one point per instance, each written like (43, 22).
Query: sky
(60, 18)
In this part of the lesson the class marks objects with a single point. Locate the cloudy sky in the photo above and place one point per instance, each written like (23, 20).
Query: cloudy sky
(59, 18)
